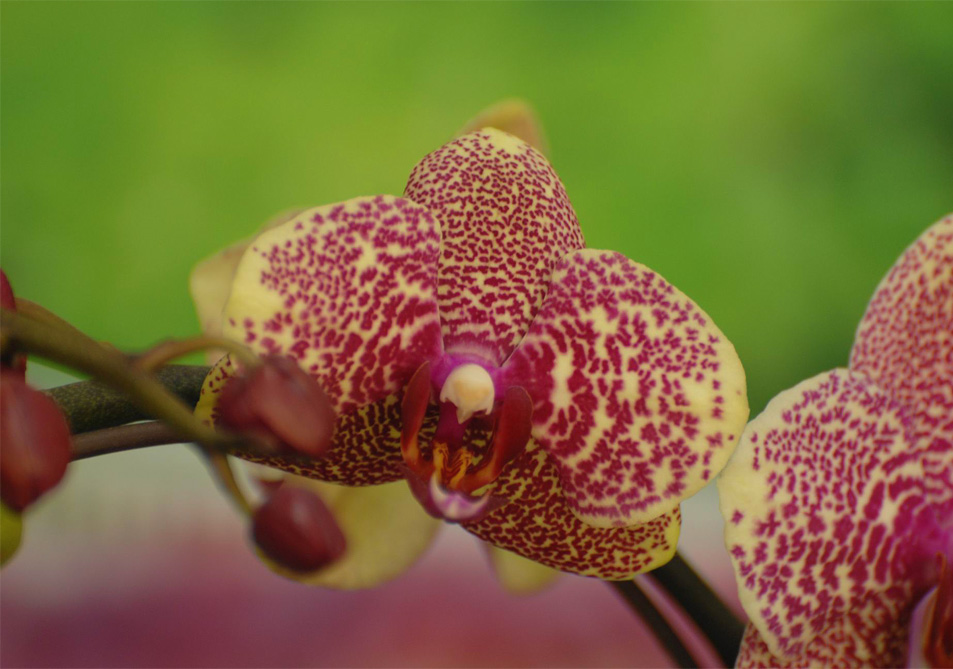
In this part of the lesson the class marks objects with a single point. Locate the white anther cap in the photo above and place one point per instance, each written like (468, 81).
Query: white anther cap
(470, 388)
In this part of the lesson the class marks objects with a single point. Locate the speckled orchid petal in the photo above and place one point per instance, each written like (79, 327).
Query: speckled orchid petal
(538, 524)
(365, 449)
(385, 528)
(905, 340)
(905, 344)
(211, 282)
(349, 291)
(504, 220)
(918, 631)
(514, 116)
(518, 575)
(638, 396)
(842, 645)
(821, 502)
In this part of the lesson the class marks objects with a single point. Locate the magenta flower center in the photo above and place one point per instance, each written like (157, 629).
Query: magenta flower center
(468, 401)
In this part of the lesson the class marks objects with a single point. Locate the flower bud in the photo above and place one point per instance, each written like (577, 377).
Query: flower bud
(34, 442)
(8, 301)
(11, 531)
(295, 529)
(278, 403)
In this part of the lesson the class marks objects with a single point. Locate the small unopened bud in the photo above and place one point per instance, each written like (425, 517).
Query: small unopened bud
(279, 404)
(34, 442)
(11, 531)
(7, 300)
(15, 362)
(295, 529)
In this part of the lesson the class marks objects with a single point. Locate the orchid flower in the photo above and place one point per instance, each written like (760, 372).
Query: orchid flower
(839, 499)
(555, 401)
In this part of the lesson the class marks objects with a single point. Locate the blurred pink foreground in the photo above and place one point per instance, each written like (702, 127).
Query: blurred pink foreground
(138, 561)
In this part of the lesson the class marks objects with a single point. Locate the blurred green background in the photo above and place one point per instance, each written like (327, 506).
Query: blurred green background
(771, 160)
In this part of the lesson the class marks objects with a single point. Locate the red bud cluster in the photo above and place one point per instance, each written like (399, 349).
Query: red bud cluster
(295, 529)
(34, 434)
(279, 404)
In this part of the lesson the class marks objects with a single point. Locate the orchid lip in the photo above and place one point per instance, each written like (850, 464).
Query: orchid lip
(448, 464)
(450, 505)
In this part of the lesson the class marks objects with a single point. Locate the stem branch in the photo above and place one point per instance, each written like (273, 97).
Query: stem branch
(123, 438)
(645, 609)
(91, 405)
(716, 621)
(84, 354)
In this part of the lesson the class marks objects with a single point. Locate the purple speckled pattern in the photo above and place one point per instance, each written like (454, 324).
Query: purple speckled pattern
(634, 399)
(820, 502)
(349, 291)
(905, 339)
(639, 397)
(905, 344)
(505, 220)
(365, 449)
(839, 496)
(540, 525)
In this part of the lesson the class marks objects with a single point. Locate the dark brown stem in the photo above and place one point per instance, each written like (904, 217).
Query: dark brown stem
(123, 438)
(78, 351)
(90, 405)
(645, 609)
(713, 618)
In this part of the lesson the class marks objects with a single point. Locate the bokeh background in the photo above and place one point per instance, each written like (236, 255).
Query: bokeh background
(771, 160)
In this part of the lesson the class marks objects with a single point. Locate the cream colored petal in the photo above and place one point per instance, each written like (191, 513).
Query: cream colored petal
(211, 282)
(519, 575)
(514, 116)
(386, 530)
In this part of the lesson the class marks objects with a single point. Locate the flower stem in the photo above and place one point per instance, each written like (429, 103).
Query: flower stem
(78, 351)
(664, 634)
(176, 348)
(91, 405)
(712, 617)
(123, 438)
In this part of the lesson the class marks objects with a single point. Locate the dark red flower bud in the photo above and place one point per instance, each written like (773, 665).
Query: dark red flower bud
(278, 403)
(34, 442)
(295, 529)
(8, 301)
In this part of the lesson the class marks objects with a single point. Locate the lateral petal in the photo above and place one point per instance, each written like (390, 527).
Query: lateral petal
(638, 397)
(822, 502)
(365, 449)
(519, 575)
(905, 340)
(505, 220)
(842, 645)
(211, 282)
(538, 524)
(349, 291)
